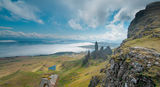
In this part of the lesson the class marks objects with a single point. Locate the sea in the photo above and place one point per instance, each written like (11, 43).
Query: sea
(12, 48)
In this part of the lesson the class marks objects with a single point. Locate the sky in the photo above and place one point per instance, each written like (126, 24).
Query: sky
(89, 20)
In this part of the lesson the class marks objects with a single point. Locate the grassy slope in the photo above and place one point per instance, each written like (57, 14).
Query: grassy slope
(152, 43)
(21, 79)
(27, 71)
(146, 41)
(78, 76)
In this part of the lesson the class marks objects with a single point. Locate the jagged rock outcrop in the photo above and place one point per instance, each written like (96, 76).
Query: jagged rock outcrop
(108, 50)
(126, 68)
(130, 68)
(86, 59)
(97, 54)
(96, 46)
(102, 53)
(132, 65)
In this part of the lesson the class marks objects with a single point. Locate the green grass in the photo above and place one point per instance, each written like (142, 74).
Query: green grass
(28, 71)
(78, 75)
(147, 42)
(21, 79)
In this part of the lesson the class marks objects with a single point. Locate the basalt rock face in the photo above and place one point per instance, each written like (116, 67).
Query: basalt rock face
(135, 66)
(145, 21)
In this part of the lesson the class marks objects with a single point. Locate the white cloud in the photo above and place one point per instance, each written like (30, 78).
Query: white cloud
(8, 33)
(73, 24)
(11, 34)
(113, 33)
(116, 33)
(21, 10)
(92, 13)
(3, 27)
(95, 12)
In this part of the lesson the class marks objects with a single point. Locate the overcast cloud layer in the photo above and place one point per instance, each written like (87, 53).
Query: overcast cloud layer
(112, 15)
(95, 13)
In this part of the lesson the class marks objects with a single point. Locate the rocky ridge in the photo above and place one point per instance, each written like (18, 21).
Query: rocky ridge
(135, 66)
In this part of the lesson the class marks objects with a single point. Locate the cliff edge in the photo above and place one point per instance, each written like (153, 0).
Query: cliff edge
(136, 63)
(145, 22)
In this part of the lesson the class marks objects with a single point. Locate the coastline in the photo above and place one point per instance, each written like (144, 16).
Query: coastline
(41, 55)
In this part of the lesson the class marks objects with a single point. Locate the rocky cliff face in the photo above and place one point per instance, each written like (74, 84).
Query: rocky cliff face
(136, 65)
(145, 22)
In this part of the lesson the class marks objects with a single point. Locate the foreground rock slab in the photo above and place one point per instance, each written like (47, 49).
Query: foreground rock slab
(49, 81)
